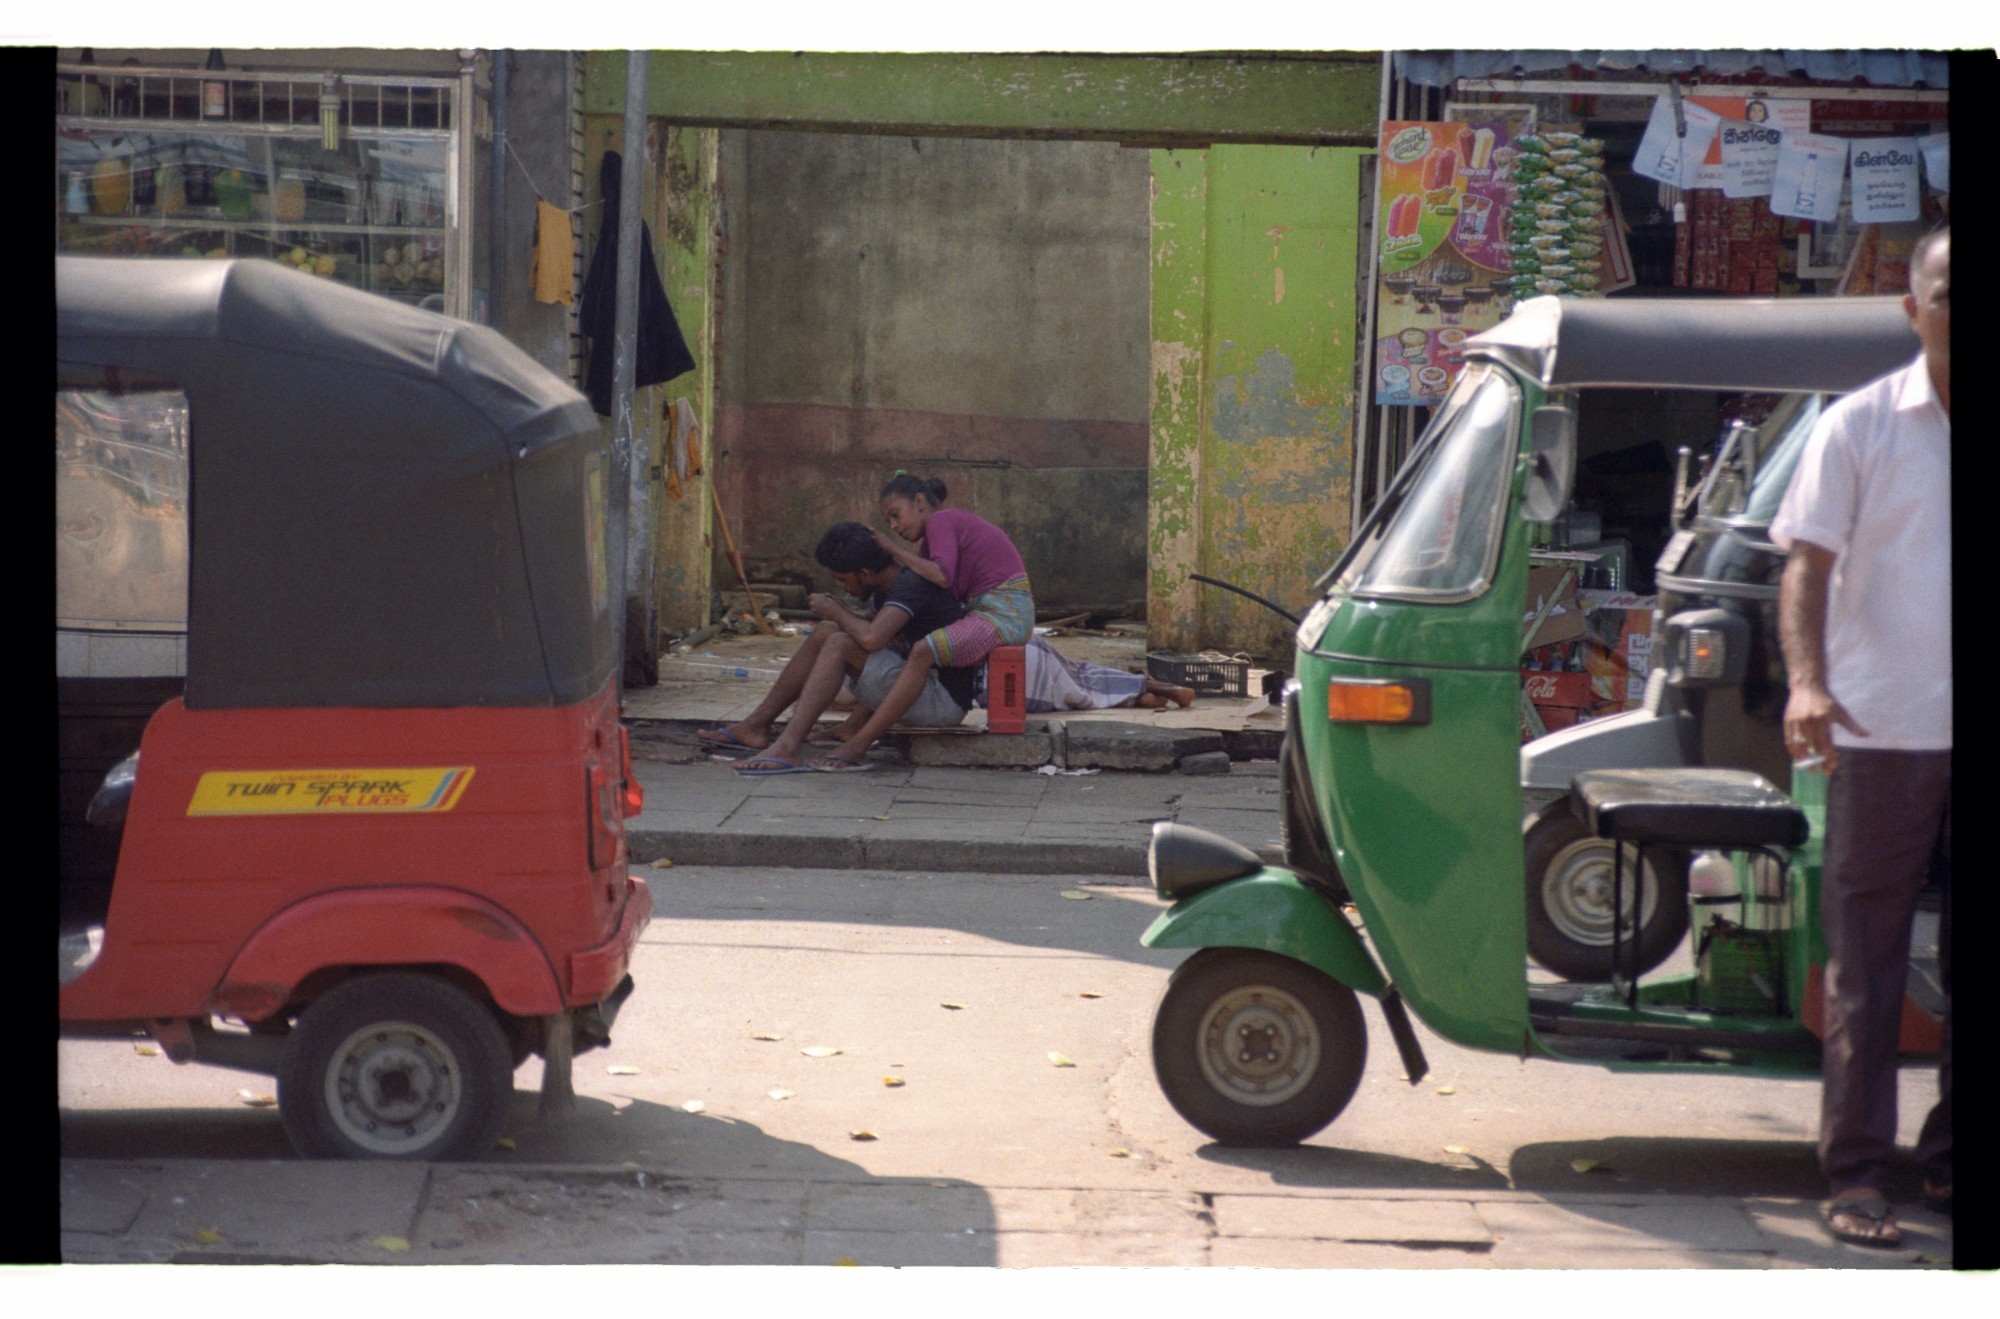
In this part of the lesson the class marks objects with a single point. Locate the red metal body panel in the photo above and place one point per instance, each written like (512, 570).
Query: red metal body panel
(194, 891)
(389, 927)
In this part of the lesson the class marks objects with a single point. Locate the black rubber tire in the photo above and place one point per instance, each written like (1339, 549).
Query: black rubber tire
(1307, 1016)
(1569, 905)
(1301, 836)
(422, 1066)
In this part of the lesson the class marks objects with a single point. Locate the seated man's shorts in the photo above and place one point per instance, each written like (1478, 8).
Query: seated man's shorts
(933, 707)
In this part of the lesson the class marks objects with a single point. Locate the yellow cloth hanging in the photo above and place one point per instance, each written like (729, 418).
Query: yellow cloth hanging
(554, 270)
(683, 445)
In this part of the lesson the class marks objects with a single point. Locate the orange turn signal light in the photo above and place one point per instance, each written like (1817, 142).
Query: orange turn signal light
(1360, 702)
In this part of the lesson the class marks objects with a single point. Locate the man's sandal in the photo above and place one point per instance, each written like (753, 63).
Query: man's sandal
(1862, 1220)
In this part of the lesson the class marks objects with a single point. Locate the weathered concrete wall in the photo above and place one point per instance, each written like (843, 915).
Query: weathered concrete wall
(537, 157)
(1252, 372)
(971, 310)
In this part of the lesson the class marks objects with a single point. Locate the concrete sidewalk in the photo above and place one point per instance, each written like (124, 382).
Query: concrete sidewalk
(272, 1212)
(899, 816)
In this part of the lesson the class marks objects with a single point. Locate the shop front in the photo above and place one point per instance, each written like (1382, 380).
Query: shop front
(349, 175)
(1506, 175)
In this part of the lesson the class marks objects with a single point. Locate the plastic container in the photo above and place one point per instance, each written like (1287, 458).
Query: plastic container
(1007, 690)
(1206, 675)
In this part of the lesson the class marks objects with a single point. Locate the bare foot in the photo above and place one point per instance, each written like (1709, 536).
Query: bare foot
(1160, 693)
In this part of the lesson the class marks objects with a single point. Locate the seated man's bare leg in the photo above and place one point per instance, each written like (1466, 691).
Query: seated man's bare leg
(902, 695)
(754, 729)
(840, 658)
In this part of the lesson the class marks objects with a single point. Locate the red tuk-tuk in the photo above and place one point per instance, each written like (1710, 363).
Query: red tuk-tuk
(372, 839)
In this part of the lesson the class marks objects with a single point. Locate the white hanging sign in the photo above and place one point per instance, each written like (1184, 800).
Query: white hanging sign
(1749, 158)
(1884, 171)
(1937, 159)
(1808, 177)
(1667, 156)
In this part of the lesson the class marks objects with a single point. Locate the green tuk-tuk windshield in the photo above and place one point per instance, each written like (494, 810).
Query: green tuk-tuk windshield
(1440, 538)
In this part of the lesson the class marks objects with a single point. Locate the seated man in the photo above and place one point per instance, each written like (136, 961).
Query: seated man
(868, 652)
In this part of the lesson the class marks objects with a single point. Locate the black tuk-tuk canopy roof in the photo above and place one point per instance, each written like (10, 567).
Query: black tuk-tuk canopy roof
(1763, 345)
(388, 507)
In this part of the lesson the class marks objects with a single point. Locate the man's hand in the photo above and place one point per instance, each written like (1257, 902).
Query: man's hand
(825, 606)
(1810, 711)
(1810, 714)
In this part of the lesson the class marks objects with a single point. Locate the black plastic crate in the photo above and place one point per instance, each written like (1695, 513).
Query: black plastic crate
(1206, 675)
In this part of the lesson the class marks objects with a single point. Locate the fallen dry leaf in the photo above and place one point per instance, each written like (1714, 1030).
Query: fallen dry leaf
(861, 1135)
(818, 1051)
(1059, 1060)
(255, 1100)
(1121, 1154)
(1077, 895)
(620, 1069)
(878, 817)
(207, 1236)
(780, 1093)
(663, 864)
(1447, 1089)
(1087, 993)
(767, 1037)
(893, 1081)
(845, 1262)
(693, 1106)
(1456, 1149)
(145, 1051)
(505, 1143)
(1583, 1165)
(394, 1245)
(952, 1007)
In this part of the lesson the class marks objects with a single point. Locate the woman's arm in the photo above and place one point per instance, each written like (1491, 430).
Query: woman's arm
(916, 563)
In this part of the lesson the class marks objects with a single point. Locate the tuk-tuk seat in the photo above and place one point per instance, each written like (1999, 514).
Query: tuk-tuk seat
(1723, 809)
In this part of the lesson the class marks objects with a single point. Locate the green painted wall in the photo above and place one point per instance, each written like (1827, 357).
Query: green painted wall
(1325, 97)
(679, 207)
(1252, 386)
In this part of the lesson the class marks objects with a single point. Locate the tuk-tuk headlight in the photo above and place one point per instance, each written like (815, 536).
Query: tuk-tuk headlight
(1378, 701)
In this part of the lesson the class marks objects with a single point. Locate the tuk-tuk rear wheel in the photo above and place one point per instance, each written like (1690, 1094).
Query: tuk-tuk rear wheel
(395, 1065)
(1569, 874)
(1257, 1049)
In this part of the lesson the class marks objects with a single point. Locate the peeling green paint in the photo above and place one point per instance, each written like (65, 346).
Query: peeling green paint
(1253, 487)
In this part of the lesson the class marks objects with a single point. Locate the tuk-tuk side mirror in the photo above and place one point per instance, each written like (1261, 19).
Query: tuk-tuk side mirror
(1551, 463)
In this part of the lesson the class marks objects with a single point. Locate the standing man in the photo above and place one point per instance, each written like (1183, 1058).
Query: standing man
(1865, 619)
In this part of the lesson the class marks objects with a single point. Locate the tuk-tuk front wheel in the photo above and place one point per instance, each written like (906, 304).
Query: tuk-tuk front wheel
(1569, 876)
(395, 1065)
(1257, 1049)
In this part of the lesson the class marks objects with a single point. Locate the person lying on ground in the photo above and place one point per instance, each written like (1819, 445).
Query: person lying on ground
(849, 648)
(978, 564)
(1054, 682)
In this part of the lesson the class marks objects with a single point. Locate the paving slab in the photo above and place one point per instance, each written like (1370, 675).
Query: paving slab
(1422, 1223)
(1133, 746)
(1597, 1228)
(1294, 1253)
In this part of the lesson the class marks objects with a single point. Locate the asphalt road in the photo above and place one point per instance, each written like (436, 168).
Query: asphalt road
(991, 1036)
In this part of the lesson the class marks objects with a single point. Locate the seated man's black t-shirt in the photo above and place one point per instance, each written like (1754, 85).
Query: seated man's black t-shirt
(930, 608)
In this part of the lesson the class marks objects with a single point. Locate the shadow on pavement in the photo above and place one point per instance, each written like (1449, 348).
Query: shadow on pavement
(1662, 1165)
(1321, 1168)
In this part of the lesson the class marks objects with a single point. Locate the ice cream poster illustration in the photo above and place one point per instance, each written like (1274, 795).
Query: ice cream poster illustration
(1442, 242)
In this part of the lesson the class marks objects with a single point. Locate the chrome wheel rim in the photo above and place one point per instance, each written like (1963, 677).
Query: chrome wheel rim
(1576, 893)
(393, 1087)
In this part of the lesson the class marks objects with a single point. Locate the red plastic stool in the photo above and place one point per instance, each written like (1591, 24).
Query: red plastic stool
(1006, 690)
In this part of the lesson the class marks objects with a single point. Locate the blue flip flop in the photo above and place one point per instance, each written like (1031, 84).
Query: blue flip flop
(776, 767)
(723, 739)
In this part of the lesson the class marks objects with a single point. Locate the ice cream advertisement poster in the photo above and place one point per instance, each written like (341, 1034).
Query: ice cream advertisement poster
(1442, 250)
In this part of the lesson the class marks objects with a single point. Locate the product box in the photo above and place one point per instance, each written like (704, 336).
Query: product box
(1561, 699)
(1564, 621)
(1618, 653)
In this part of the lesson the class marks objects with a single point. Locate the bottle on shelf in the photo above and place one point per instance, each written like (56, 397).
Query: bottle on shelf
(215, 91)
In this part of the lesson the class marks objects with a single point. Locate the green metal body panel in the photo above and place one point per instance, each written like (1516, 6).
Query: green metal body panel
(1271, 910)
(1425, 821)
(1315, 99)
(1253, 361)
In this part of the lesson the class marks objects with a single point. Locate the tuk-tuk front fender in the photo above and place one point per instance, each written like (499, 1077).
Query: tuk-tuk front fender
(1273, 910)
(385, 927)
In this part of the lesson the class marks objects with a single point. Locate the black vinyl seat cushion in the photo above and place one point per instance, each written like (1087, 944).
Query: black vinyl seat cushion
(1694, 808)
